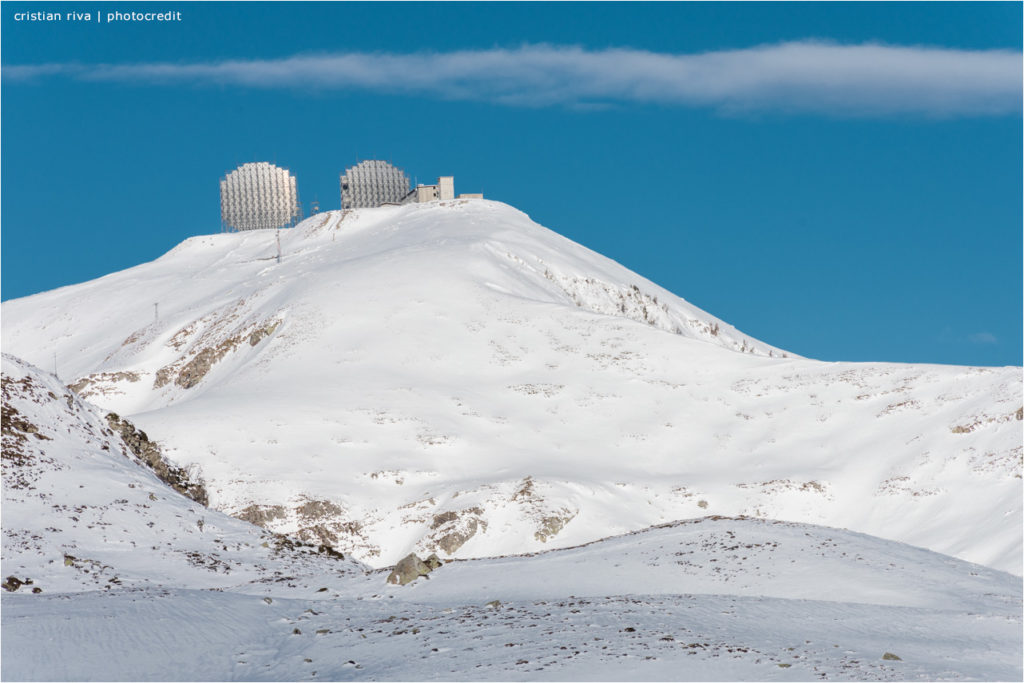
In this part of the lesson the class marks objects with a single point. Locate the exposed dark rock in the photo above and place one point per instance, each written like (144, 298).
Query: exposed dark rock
(322, 523)
(451, 542)
(453, 528)
(330, 552)
(260, 334)
(262, 515)
(444, 518)
(16, 429)
(163, 376)
(193, 372)
(552, 524)
(12, 583)
(525, 490)
(18, 458)
(318, 533)
(318, 509)
(148, 452)
(14, 424)
(84, 386)
(551, 521)
(408, 569)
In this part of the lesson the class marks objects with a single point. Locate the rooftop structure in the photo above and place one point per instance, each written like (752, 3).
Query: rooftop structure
(257, 196)
(443, 189)
(372, 183)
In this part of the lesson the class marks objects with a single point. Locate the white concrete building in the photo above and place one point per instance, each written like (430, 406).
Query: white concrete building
(446, 187)
(443, 189)
(258, 196)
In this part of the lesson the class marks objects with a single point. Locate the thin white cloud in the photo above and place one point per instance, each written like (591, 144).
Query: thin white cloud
(983, 338)
(806, 76)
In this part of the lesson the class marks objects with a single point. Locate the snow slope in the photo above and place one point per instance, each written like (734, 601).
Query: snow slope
(179, 634)
(81, 513)
(705, 599)
(453, 377)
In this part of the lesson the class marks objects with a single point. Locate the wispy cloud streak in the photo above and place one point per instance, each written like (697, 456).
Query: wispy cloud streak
(983, 338)
(805, 76)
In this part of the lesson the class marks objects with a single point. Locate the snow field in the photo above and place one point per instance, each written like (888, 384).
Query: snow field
(705, 599)
(433, 358)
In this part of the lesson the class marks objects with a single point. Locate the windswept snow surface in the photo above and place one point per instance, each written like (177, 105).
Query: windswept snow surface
(139, 583)
(453, 377)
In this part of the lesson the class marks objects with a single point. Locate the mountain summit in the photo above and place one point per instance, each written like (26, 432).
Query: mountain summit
(451, 377)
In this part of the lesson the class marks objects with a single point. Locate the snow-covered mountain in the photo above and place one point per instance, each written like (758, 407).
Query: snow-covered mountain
(81, 512)
(452, 377)
(118, 576)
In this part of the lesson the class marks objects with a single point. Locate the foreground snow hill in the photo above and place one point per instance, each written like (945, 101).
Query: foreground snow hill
(159, 587)
(611, 611)
(454, 378)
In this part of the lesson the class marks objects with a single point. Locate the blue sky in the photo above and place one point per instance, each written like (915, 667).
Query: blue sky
(842, 180)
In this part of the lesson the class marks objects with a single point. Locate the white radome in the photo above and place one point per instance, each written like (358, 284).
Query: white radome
(258, 196)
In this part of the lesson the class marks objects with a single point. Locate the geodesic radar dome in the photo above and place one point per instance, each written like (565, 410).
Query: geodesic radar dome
(257, 196)
(372, 183)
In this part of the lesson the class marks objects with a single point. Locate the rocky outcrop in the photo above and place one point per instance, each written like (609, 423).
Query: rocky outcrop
(187, 374)
(450, 530)
(411, 567)
(550, 520)
(319, 522)
(102, 383)
(262, 333)
(327, 523)
(20, 455)
(196, 369)
(15, 426)
(13, 583)
(262, 515)
(178, 478)
(552, 524)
